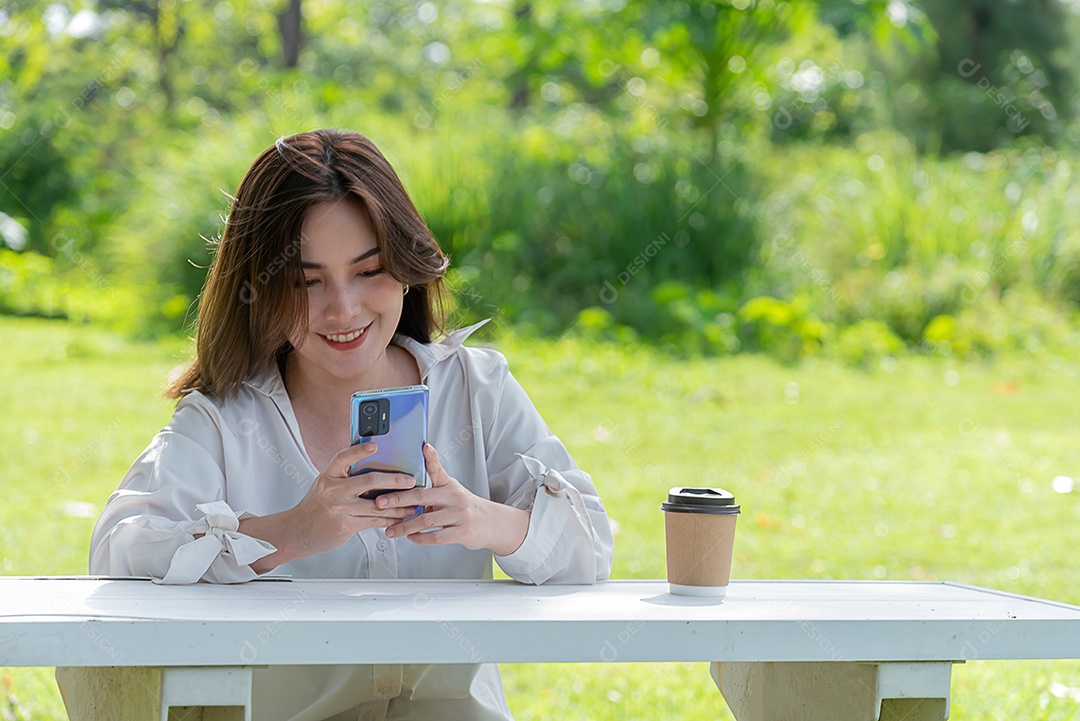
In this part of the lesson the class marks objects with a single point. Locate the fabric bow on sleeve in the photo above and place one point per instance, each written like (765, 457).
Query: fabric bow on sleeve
(569, 539)
(541, 477)
(221, 538)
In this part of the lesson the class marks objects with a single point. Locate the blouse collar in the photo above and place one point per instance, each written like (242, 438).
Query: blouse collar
(428, 355)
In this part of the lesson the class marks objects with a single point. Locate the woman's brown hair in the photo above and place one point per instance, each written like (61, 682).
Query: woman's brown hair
(253, 298)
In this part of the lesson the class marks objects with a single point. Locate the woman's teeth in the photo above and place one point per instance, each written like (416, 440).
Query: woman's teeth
(346, 338)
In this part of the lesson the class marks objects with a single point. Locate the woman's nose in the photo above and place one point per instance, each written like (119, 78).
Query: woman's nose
(343, 303)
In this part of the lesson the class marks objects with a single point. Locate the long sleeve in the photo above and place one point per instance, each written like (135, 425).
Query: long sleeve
(569, 538)
(214, 461)
(174, 491)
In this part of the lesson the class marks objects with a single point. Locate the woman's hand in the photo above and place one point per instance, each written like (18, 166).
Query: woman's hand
(459, 514)
(331, 512)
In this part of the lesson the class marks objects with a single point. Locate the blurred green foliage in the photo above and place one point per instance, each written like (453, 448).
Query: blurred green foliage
(709, 177)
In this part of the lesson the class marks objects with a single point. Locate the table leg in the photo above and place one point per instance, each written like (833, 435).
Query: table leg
(121, 693)
(892, 691)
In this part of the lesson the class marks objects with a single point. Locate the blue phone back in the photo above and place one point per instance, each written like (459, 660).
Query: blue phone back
(401, 449)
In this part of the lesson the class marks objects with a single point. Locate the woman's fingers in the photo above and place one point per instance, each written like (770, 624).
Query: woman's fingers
(424, 521)
(434, 538)
(390, 515)
(412, 497)
(451, 508)
(344, 459)
(361, 486)
(334, 507)
(436, 472)
(421, 496)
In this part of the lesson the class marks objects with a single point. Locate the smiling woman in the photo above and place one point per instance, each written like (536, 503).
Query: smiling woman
(327, 282)
(258, 258)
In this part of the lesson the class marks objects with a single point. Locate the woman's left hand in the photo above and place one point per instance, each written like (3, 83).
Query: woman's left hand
(459, 514)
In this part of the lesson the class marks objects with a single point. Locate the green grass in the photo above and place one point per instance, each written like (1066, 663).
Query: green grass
(935, 470)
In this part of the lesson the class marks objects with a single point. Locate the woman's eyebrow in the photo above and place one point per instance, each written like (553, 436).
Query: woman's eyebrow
(319, 266)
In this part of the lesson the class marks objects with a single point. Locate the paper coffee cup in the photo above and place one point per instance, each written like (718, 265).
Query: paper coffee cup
(700, 531)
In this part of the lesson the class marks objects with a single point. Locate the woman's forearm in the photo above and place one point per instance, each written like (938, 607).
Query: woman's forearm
(509, 527)
(274, 530)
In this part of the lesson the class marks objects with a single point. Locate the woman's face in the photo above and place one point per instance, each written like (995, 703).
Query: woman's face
(353, 304)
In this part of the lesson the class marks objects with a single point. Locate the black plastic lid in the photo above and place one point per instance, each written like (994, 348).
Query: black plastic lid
(700, 500)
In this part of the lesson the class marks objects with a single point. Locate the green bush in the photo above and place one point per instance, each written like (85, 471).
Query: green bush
(592, 218)
(571, 222)
(876, 232)
(904, 299)
(29, 285)
(70, 286)
(161, 244)
(1020, 320)
(866, 343)
(538, 225)
(785, 328)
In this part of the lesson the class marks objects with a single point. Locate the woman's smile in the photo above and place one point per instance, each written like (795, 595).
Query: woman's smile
(345, 341)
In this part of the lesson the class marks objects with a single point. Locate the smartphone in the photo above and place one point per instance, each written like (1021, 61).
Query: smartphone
(396, 420)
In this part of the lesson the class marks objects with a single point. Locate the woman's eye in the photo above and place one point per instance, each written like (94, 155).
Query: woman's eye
(310, 282)
(371, 273)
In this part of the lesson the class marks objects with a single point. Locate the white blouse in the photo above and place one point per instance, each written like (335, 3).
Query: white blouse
(217, 460)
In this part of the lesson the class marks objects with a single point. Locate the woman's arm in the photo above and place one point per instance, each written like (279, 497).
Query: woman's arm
(569, 538)
(544, 520)
(170, 519)
(460, 515)
(331, 512)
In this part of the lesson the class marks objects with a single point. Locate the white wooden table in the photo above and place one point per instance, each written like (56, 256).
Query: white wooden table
(831, 650)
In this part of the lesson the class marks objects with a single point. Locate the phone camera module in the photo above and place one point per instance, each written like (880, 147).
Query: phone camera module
(374, 417)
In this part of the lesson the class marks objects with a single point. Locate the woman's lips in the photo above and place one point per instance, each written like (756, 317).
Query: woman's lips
(349, 345)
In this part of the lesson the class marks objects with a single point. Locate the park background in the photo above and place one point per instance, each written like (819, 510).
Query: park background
(824, 254)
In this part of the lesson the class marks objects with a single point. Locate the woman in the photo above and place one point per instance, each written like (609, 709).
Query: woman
(326, 282)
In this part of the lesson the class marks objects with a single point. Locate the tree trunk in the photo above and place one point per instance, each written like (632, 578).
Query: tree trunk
(519, 91)
(167, 33)
(291, 33)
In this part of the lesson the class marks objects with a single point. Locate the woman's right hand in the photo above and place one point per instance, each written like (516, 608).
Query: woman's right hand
(331, 512)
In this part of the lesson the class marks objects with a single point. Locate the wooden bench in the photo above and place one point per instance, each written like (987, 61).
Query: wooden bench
(795, 650)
